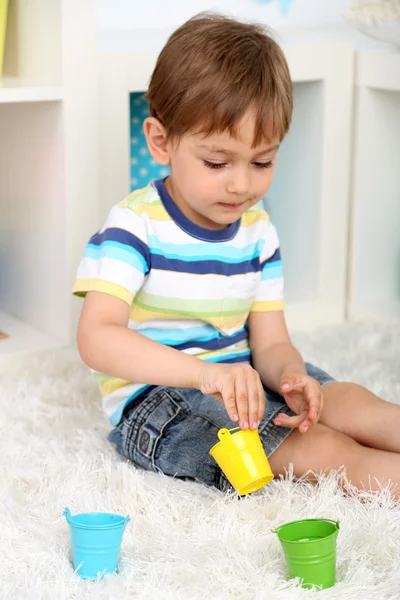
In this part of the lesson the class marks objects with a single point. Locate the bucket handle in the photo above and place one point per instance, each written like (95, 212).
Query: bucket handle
(67, 514)
(225, 433)
(337, 523)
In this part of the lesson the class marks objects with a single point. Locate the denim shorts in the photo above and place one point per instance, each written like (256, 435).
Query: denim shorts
(171, 430)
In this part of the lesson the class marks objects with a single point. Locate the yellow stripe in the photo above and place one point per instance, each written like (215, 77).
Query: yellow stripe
(142, 314)
(268, 306)
(130, 199)
(108, 387)
(220, 322)
(147, 195)
(158, 213)
(229, 322)
(82, 286)
(148, 201)
(252, 216)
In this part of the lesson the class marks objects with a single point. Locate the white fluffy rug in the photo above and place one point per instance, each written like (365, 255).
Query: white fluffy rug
(184, 541)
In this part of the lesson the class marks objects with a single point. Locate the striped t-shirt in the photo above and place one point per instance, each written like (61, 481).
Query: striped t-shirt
(188, 287)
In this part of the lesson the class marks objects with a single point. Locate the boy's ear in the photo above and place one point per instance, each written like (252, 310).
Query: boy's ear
(156, 138)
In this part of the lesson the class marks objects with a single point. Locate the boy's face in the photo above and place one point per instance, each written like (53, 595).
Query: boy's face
(215, 179)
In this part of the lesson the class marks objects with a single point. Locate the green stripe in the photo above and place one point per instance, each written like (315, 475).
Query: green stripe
(141, 200)
(168, 311)
(201, 307)
(182, 311)
(149, 197)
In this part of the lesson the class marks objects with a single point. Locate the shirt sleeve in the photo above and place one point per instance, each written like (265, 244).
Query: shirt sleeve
(269, 295)
(116, 258)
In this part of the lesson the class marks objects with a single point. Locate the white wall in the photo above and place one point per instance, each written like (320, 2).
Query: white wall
(161, 14)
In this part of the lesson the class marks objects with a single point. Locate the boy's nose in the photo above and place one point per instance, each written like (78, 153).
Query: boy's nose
(238, 184)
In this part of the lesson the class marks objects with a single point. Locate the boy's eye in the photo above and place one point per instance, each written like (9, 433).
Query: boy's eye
(259, 165)
(212, 165)
(264, 165)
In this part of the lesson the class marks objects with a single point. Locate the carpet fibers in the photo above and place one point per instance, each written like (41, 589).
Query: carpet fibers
(184, 541)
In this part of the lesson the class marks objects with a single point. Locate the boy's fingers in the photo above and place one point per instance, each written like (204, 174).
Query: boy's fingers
(253, 393)
(242, 401)
(289, 383)
(286, 421)
(261, 401)
(218, 397)
(229, 399)
(286, 383)
(305, 425)
(314, 402)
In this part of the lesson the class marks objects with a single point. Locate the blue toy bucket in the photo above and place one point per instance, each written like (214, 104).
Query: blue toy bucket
(96, 542)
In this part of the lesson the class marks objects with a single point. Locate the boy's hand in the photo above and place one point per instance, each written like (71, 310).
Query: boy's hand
(239, 388)
(303, 395)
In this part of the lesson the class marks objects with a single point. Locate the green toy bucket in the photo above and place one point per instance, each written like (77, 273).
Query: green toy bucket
(310, 550)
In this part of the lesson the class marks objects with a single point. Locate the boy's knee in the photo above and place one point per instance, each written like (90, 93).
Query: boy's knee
(342, 389)
(334, 449)
(321, 449)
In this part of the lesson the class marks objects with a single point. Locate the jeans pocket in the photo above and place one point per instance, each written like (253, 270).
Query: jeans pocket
(143, 426)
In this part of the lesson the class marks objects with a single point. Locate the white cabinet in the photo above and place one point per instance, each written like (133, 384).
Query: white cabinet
(309, 198)
(374, 274)
(48, 167)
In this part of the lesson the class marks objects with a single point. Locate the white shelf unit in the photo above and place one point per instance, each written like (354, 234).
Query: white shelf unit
(48, 167)
(310, 196)
(374, 265)
(12, 93)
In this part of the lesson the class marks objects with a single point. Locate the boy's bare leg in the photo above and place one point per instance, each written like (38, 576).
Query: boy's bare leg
(322, 449)
(355, 411)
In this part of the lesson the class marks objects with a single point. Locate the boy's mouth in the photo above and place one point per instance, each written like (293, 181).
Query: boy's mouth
(231, 205)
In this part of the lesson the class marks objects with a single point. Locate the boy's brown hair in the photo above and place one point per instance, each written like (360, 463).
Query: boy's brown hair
(212, 70)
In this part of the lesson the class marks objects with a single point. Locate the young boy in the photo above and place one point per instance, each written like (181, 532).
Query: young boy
(183, 317)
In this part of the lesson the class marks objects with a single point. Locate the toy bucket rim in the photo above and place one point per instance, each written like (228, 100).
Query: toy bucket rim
(235, 430)
(266, 478)
(332, 521)
(69, 517)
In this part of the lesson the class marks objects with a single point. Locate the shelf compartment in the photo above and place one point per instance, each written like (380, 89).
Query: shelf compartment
(23, 338)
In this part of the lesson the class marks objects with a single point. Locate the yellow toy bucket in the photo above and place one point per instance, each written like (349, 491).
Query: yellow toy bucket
(242, 458)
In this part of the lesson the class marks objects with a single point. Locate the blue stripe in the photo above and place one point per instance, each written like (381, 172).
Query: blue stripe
(269, 274)
(179, 335)
(232, 357)
(238, 359)
(216, 344)
(193, 337)
(204, 257)
(192, 252)
(204, 267)
(274, 258)
(123, 237)
(117, 251)
(272, 270)
(272, 265)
